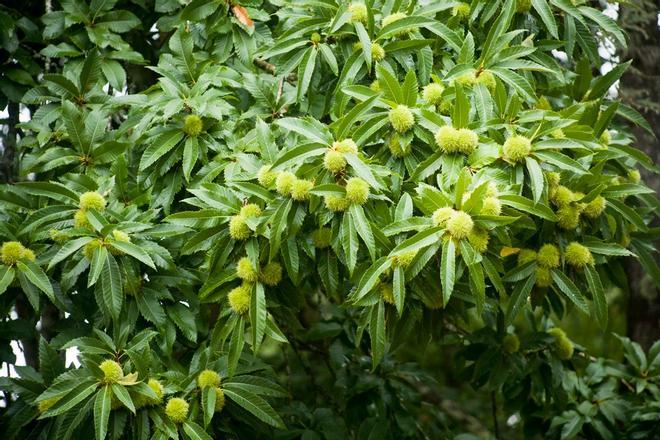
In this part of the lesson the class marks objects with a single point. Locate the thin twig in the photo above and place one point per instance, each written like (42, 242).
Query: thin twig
(496, 427)
(270, 68)
(265, 65)
(279, 89)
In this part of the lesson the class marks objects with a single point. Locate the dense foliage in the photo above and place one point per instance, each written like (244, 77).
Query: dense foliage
(250, 219)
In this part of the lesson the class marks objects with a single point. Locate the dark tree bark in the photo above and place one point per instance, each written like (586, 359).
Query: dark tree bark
(8, 162)
(640, 89)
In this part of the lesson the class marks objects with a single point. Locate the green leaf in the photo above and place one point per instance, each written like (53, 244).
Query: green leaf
(399, 288)
(498, 28)
(628, 213)
(516, 82)
(362, 170)
(307, 129)
(483, 102)
(428, 166)
(61, 85)
(160, 146)
(208, 404)
(598, 295)
(123, 396)
(449, 36)
(410, 89)
(406, 46)
(464, 179)
(544, 11)
(253, 189)
(474, 202)
(603, 248)
(602, 84)
(560, 160)
(278, 224)
(111, 286)
(6, 277)
(604, 22)
(50, 363)
(273, 331)
(190, 154)
(635, 117)
(119, 21)
(254, 404)
(469, 254)
(536, 177)
(114, 73)
(184, 319)
(351, 67)
(370, 278)
(605, 119)
(258, 316)
(181, 44)
(363, 37)
(418, 241)
(197, 10)
(96, 265)
(477, 285)
(329, 57)
(91, 70)
(343, 124)
(572, 426)
(624, 190)
(389, 84)
(403, 24)
(349, 241)
(298, 155)
(195, 432)
(648, 261)
(591, 195)
(519, 298)
(493, 275)
(37, 276)
(569, 288)
(461, 112)
(236, 346)
(30, 290)
(53, 190)
(377, 333)
(568, 7)
(95, 123)
(258, 385)
(141, 339)
(102, 405)
(285, 46)
(524, 204)
(305, 71)
(134, 251)
(96, 219)
(75, 126)
(363, 227)
(150, 307)
(71, 399)
(91, 346)
(448, 270)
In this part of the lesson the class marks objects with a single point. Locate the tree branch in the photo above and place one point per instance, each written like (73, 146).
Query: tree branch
(271, 68)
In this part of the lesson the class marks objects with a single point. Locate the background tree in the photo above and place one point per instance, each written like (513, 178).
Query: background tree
(320, 219)
(641, 90)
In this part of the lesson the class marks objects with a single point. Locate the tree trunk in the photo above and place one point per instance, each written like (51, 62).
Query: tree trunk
(8, 163)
